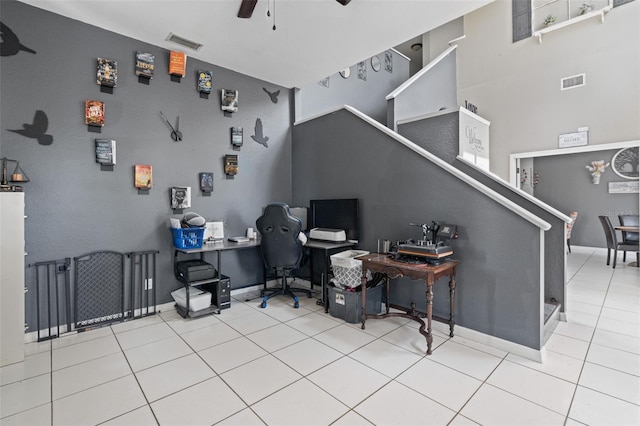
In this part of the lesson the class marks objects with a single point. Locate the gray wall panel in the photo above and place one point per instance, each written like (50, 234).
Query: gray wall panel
(566, 184)
(73, 207)
(439, 135)
(339, 156)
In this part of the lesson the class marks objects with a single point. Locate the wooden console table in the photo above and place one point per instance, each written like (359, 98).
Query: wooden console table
(392, 268)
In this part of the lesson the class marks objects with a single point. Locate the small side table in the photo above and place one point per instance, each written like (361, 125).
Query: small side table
(392, 268)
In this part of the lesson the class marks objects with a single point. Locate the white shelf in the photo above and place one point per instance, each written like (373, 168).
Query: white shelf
(589, 15)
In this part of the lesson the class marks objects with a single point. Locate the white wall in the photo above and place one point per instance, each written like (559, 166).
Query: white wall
(516, 86)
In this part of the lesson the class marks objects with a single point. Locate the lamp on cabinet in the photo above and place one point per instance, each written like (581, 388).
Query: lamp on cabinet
(18, 176)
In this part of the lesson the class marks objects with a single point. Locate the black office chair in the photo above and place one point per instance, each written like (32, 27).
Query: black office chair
(281, 249)
(629, 237)
(612, 241)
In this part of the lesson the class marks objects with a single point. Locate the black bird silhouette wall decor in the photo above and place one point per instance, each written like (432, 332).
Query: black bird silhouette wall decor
(37, 129)
(259, 137)
(10, 44)
(272, 95)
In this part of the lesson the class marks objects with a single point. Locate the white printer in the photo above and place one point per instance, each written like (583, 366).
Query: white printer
(327, 234)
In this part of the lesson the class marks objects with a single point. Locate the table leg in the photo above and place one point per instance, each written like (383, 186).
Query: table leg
(388, 299)
(429, 315)
(452, 299)
(363, 282)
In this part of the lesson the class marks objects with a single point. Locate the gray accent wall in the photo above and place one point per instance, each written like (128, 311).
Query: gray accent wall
(440, 135)
(367, 95)
(566, 184)
(498, 283)
(73, 207)
(429, 92)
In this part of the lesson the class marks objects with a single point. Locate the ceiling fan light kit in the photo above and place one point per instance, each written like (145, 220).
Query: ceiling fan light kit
(248, 6)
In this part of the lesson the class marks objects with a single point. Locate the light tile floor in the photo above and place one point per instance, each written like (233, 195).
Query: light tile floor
(282, 366)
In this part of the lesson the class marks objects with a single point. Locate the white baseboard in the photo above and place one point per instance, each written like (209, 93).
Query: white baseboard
(463, 332)
(498, 343)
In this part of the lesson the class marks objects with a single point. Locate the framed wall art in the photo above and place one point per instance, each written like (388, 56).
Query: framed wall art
(625, 163)
(143, 176)
(206, 183)
(107, 75)
(180, 197)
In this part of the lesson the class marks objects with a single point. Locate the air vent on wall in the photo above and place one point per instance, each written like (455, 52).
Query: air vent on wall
(573, 81)
(184, 42)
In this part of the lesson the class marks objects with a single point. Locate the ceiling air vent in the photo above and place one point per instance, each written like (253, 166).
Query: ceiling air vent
(184, 42)
(573, 81)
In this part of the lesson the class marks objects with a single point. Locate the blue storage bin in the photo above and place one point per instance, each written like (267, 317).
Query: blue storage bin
(187, 238)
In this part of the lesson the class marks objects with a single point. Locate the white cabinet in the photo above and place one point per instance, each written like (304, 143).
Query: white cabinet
(11, 277)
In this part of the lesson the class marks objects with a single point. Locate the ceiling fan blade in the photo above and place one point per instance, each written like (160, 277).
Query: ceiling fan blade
(343, 2)
(246, 8)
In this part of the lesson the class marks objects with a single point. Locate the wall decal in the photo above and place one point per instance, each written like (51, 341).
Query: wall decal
(388, 61)
(324, 82)
(37, 129)
(272, 95)
(145, 67)
(176, 134)
(362, 71)
(259, 136)
(10, 43)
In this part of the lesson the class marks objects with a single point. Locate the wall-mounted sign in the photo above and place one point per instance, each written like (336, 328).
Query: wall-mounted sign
(473, 138)
(624, 187)
(568, 140)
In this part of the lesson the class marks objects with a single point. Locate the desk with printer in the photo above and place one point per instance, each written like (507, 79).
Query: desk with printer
(196, 275)
(428, 259)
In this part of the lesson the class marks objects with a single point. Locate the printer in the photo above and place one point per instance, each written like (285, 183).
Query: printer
(328, 234)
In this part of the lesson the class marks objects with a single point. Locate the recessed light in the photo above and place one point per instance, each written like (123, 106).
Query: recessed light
(416, 46)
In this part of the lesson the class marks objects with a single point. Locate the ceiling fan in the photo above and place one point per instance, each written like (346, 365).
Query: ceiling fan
(247, 7)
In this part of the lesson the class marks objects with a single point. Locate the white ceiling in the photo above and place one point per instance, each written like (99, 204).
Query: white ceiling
(313, 38)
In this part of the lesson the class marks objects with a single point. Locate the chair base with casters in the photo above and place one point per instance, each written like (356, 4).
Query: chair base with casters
(284, 289)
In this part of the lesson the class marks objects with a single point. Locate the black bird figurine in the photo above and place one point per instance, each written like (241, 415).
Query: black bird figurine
(10, 44)
(259, 137)
(272, 95)
(37, 129)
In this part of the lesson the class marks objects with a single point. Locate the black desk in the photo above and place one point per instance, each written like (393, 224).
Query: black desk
(323, 250)
(217, 247)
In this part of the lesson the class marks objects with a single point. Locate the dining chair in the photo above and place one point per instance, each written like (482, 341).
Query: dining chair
(569, 228)
(629, 237)
(613, 244)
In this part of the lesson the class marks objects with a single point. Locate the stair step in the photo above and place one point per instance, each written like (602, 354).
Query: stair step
(551, 318)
